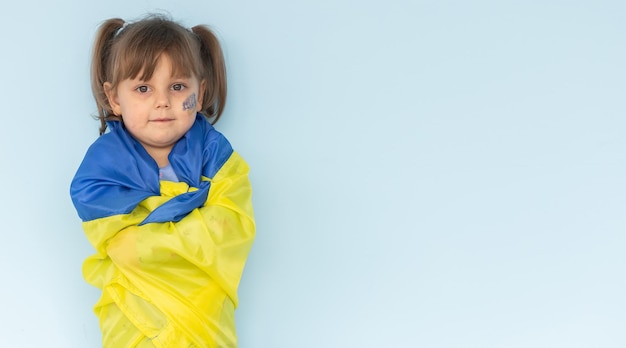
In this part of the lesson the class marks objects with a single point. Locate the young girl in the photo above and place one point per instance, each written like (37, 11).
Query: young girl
(164, 199)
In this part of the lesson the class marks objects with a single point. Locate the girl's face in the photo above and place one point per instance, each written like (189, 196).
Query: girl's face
(157, 112)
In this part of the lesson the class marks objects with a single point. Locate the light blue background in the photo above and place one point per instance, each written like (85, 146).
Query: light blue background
(426, 173)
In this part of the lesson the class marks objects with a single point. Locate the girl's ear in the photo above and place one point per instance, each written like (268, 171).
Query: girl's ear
(201, 91)
(111, 94)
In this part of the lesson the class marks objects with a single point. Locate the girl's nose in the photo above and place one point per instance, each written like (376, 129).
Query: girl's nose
(162, 100)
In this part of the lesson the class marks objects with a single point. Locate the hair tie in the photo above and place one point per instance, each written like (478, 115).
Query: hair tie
(118, 31)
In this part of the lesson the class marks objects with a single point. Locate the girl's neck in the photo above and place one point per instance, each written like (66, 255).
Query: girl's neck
(160, 156)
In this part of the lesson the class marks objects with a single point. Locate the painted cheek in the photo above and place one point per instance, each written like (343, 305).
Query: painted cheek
(190, 102)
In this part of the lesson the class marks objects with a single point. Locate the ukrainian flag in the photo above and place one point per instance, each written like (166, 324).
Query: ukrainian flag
(168, 255)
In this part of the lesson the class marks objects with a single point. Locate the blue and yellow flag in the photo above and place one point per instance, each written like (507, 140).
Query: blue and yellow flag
(169, 255)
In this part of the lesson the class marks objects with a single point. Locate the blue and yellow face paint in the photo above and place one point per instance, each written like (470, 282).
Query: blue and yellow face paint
(190, 102)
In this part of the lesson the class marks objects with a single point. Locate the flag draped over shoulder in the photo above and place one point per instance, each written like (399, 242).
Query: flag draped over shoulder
(169, 256)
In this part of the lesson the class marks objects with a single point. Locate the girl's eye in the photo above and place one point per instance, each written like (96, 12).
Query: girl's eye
(178, 87)
(142, 89)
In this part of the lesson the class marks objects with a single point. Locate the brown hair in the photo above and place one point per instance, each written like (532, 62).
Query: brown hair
(124, 50)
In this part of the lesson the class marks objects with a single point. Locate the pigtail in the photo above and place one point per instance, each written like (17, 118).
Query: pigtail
(99, 64)
(214, 73)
